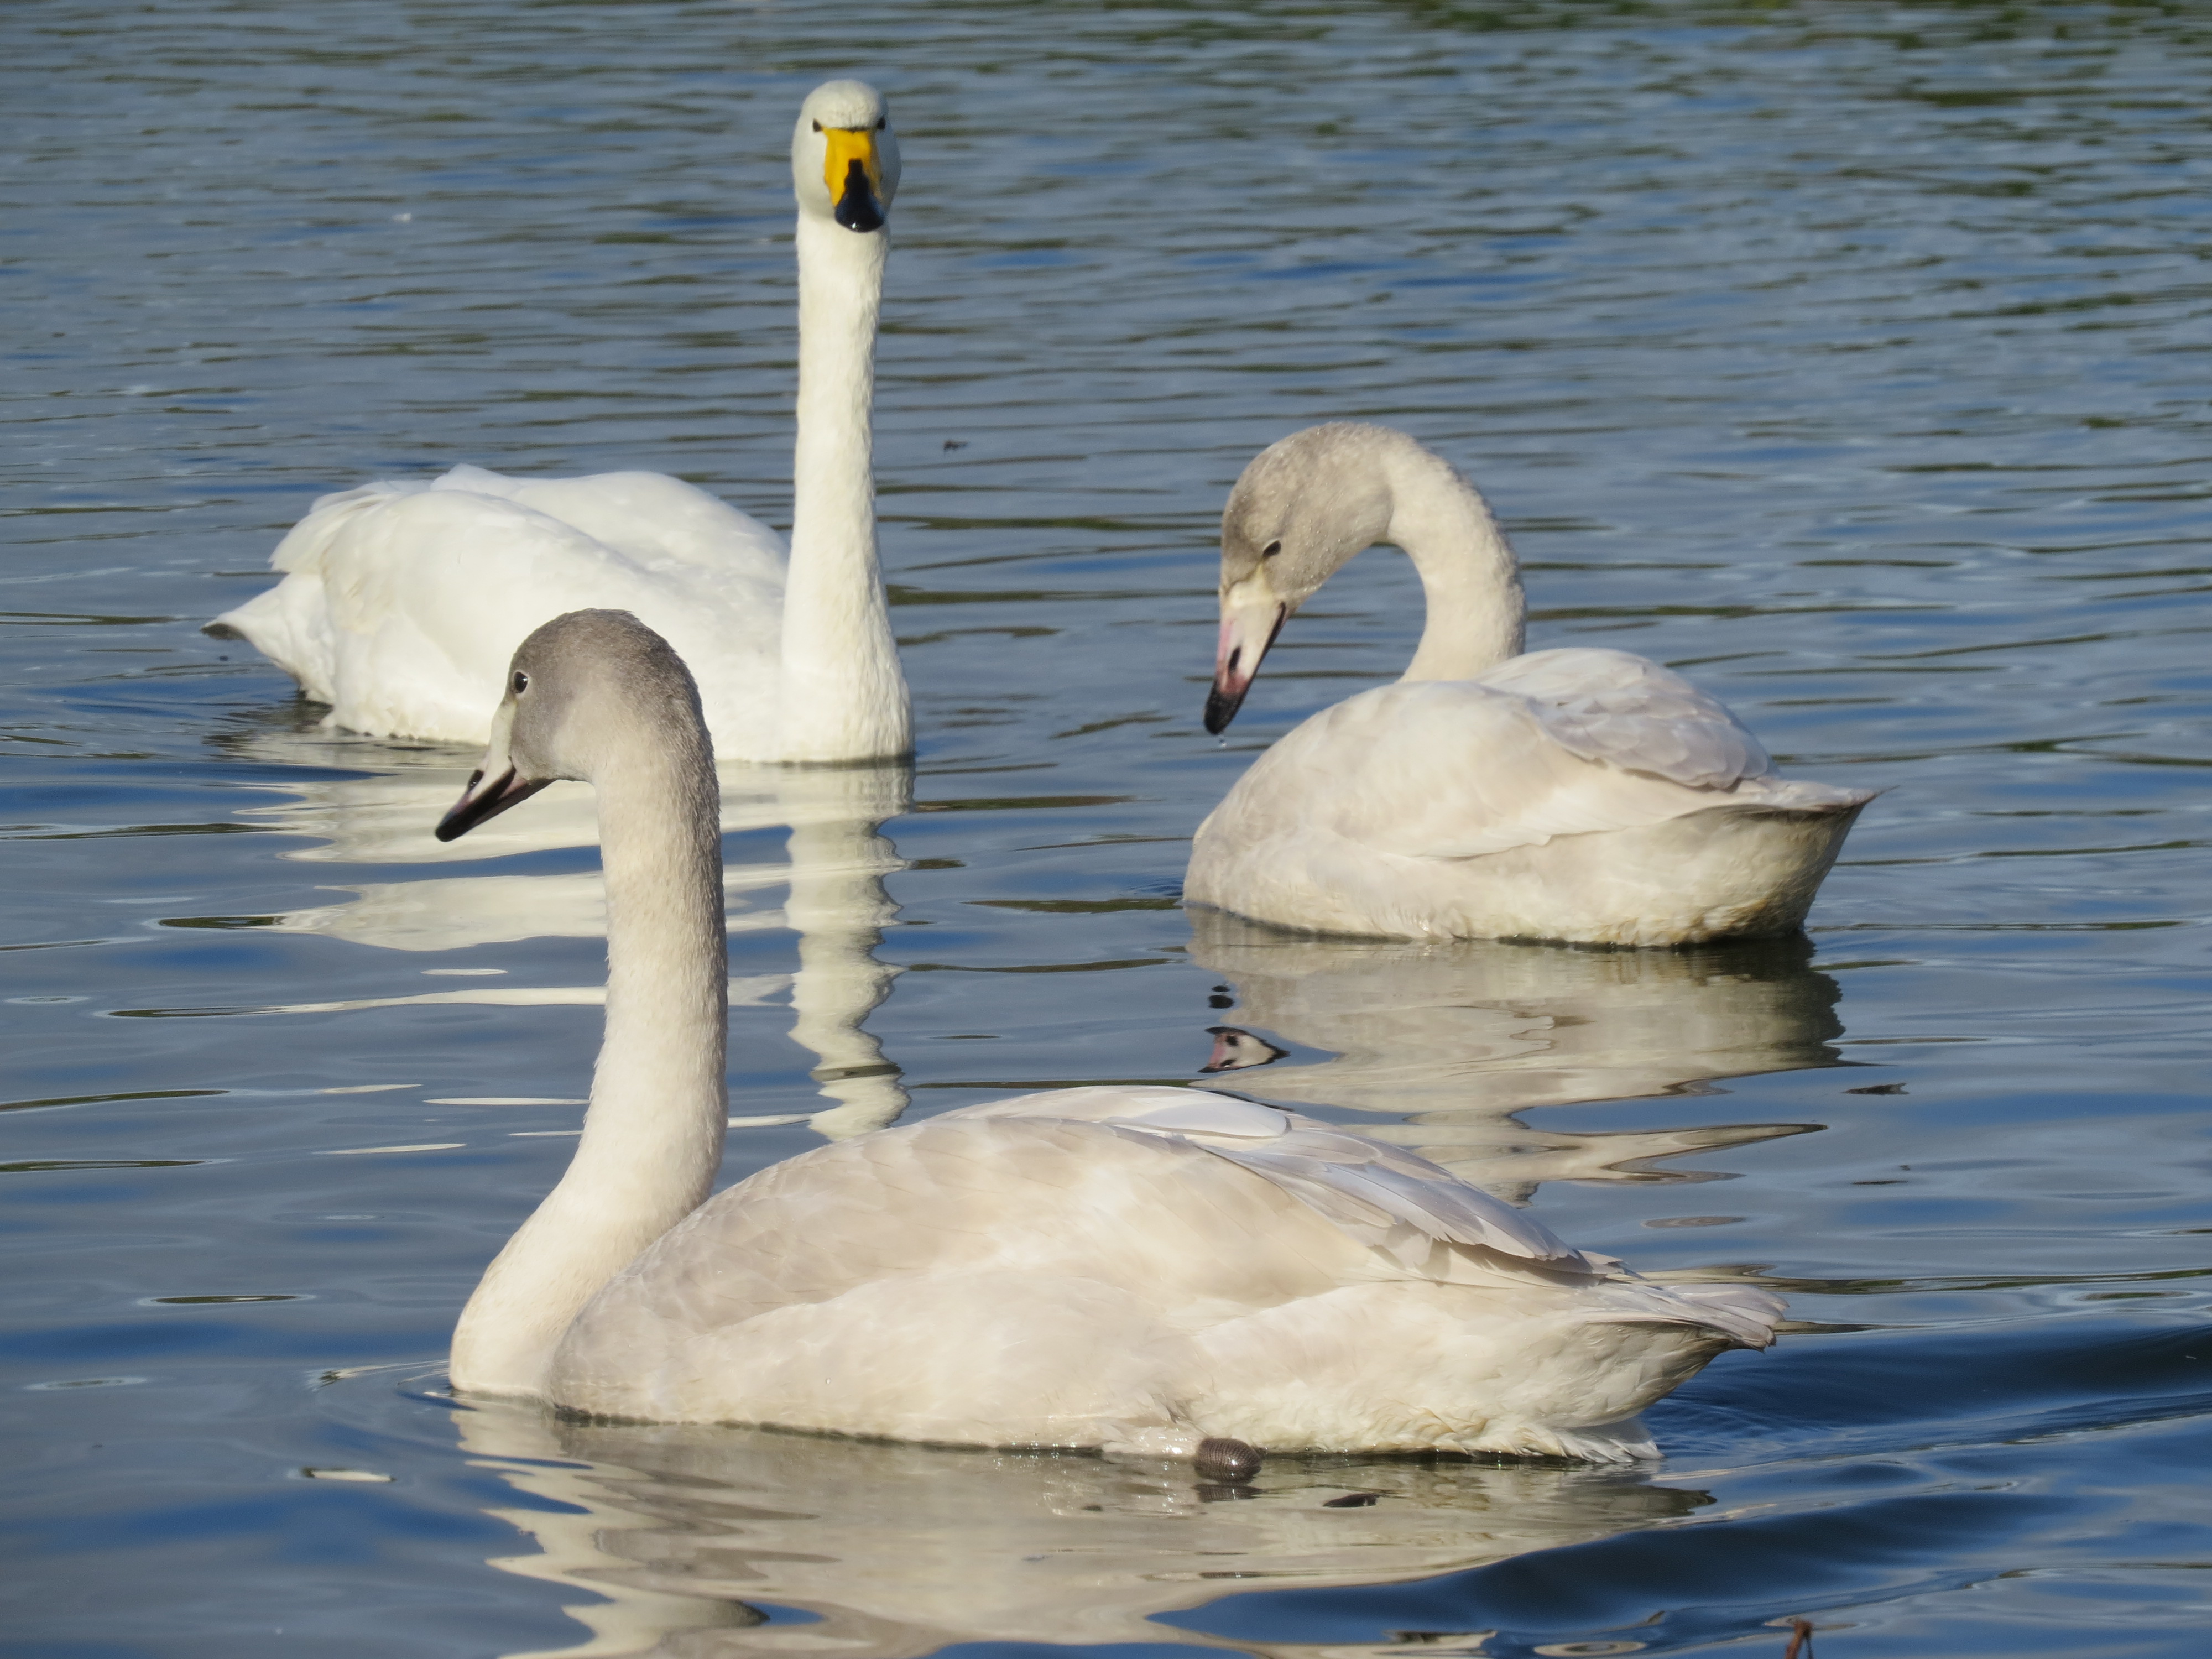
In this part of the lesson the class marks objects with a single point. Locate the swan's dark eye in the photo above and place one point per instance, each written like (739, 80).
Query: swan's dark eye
(817, 126)
(1271, 549)
(521, 682)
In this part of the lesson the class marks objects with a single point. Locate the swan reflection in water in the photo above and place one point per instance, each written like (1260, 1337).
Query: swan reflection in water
(835, 904)
(699, 1536)
(1456, 1037)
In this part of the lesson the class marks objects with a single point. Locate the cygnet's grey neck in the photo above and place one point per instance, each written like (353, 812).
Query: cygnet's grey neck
(1477, 613)
(844, 696)
(653, 1135)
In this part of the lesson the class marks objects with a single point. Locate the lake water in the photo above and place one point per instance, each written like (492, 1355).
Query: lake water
(1851, 359)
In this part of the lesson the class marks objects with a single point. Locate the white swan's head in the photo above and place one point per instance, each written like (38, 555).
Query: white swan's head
(844, 155)
(588, 693)
(1305, 506)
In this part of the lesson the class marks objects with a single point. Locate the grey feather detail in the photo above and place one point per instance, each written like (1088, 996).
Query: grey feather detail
(1609, 706)
(1383, 1196)
(1742, 1313)
(1197, 1112)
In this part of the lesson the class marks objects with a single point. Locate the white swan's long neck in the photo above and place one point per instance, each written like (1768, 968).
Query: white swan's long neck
(1478, 617)
(653, 1136)
(844, 697)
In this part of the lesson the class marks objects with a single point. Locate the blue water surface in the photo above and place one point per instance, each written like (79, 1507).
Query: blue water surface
(1851, 359)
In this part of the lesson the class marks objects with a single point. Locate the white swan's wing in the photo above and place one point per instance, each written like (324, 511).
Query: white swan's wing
(653, 521)
(401, 606)
(1630, 713)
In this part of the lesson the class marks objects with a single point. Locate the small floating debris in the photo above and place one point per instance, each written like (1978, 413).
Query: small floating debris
(1351, 1500)
(199, 1301)
(366, 1477)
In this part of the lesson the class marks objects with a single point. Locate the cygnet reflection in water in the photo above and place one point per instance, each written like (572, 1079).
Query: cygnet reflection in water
(691, 1531)
(836, 905)
(1458, 1036)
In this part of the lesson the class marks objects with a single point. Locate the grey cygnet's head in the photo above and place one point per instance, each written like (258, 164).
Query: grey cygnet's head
(586, 692)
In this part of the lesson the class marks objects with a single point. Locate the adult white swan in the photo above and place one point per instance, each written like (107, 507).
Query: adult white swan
(1583, 795)
(1142, 1269)
(401, 603)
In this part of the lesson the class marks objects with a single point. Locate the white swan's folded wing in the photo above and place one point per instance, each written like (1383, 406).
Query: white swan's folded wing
(1630, 713)
(656, 521)
(401, 606)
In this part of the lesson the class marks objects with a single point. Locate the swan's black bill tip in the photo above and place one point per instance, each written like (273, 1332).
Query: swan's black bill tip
(856, 207)
(1220, 1459)
(1221, 708)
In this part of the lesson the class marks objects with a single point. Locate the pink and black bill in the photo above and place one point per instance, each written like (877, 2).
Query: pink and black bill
(482, 800)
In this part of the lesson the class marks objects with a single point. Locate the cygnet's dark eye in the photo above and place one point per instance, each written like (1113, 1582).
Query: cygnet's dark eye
(817, 126)
(521, 682)
(1271, 549)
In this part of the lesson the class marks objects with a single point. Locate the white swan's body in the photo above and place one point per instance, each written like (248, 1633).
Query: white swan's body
(402, 603)
(1138, 1269)
(1582, 795)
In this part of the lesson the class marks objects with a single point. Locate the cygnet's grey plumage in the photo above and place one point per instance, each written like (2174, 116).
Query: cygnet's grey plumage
(1137, 1269)
(1584, 794)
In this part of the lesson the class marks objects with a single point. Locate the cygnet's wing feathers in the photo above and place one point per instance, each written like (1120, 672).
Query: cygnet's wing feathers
(1464, 768)
(1628, 711)
(1084, 1216)
(1046, 1198)
(1381, 1194)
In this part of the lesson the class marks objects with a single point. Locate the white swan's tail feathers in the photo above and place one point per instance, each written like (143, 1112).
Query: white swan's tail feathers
(291, 624)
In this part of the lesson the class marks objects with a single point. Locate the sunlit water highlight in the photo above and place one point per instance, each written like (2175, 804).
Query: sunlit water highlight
(1849, 359)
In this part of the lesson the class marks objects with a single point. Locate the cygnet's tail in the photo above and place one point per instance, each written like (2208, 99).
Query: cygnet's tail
(1742, 1315)
(1774, 794)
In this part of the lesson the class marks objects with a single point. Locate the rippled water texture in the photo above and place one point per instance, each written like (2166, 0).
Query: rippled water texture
(1851, 359)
